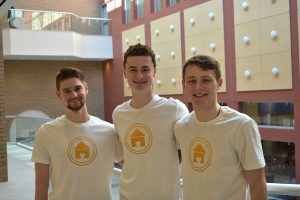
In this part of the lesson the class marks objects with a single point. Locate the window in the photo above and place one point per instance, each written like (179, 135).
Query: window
(104, 23)
(173, 2)
(140, 8)
(158, 5)
(127, 9)
(271, 113)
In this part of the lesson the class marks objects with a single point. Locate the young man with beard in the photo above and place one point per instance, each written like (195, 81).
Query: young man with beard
(76, 151)
(222, 156)
(144, 125)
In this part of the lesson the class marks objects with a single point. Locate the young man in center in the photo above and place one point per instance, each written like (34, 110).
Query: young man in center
(145, 128)
(222, 156)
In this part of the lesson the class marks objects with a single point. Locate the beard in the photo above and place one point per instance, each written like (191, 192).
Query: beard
(75, 107)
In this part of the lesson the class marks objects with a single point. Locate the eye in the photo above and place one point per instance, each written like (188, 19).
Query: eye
(78, 89)
(206, 80)
(132, 70)
(67, 91)
(191, 81)
(146, 70)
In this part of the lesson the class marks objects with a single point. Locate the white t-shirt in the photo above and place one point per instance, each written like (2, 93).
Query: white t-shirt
(81, 157)
(150, 170)
(215, 154)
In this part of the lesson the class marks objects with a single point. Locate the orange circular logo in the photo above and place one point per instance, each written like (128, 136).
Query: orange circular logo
(82, 151)
(138, 138)
(200, 154)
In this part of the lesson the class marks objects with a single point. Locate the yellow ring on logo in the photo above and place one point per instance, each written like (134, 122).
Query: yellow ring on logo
(147, 130)
(89, 141)
(200, 140)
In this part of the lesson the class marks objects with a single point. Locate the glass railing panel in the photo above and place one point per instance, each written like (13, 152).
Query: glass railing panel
(58, 21)
(280, 114)
(26, 128)
(280, 165)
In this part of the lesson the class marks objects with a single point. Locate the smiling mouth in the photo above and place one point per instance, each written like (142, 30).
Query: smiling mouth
(74, 100)
(139, 82)
(199, 95)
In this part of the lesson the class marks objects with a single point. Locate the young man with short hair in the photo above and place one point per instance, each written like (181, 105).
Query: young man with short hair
(76, 151)
(145, 128)
(222, 156)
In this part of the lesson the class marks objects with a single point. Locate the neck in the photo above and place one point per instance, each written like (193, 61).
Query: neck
(79, 116)
(207, 114)
(140, 100)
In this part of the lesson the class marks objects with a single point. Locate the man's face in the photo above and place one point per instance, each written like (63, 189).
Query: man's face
(72, 93)
(139, 72)
(201, 86)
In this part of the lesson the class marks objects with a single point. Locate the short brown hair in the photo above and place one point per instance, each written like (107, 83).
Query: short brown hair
(66, 73)
(205, 62)
(139, 50)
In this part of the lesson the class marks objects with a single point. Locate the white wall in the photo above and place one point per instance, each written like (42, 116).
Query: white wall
(55, 45)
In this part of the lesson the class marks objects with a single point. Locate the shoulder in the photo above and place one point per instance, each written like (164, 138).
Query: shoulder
(184, 121)
(100, 122)
(60, 121)
(232, 114)
(122, 106)
(173, 102)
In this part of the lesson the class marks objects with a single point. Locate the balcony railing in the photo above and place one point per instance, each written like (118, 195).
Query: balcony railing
(57, 21)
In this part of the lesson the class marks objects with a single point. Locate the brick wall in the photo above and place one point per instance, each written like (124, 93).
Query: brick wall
(3, 154)
(31, 85)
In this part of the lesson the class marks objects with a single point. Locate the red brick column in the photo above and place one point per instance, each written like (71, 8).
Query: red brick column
(3, 132)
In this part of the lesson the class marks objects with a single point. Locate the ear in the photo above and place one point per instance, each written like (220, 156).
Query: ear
(154, 72)
(86, 87)
(220, 82)
(183, 85)
(124, 72)
(58, 95)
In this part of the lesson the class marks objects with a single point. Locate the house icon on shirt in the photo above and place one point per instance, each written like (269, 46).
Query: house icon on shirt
(199, 153)
(137, 138)
(82, 151)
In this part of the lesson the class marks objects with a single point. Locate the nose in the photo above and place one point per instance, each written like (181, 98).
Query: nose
(73, 93)
(139, 74)
(199, 85)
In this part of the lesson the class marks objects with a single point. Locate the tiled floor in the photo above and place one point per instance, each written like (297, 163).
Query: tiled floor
(20, 185)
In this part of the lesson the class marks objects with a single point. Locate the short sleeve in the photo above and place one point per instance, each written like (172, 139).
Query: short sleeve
(40, 153)
(182, 110)
(118, 149)
(250, 149)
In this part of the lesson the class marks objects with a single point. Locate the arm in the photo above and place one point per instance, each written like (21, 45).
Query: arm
(41, 181)
(257, 183)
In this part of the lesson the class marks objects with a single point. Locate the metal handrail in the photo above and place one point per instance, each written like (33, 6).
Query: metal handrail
(57, 21)
(283, 189)
(272, 188)
(69, 13)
